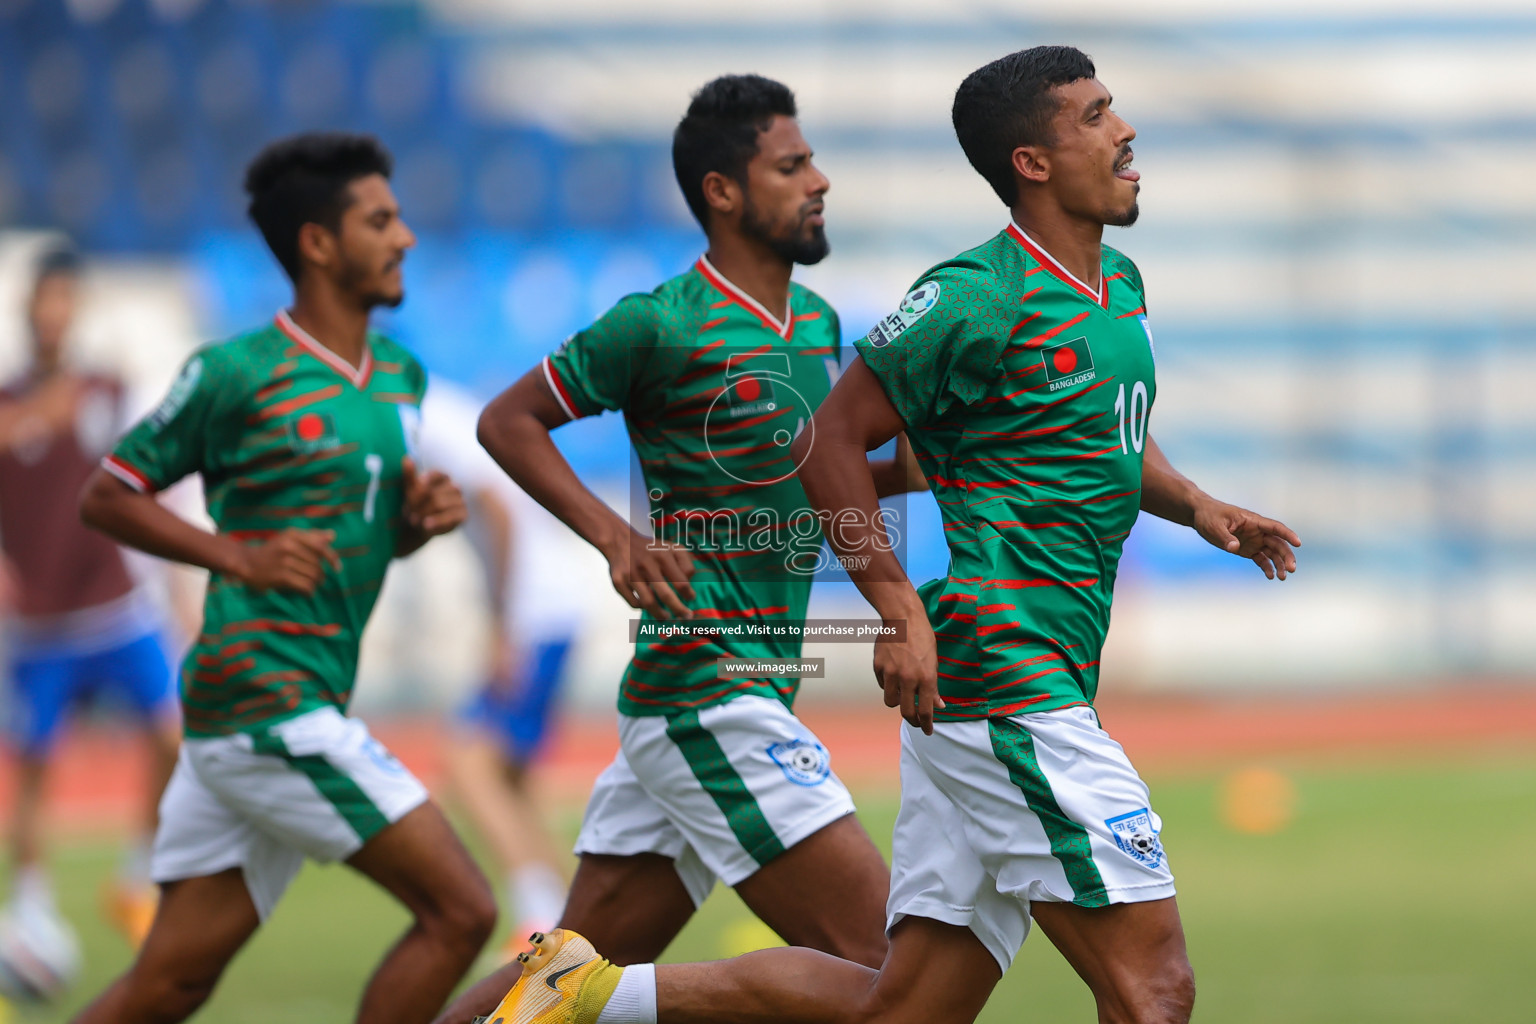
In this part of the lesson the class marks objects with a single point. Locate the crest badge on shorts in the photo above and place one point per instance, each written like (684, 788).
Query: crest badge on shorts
(805, 762)
(379, 754)
(1136, 833)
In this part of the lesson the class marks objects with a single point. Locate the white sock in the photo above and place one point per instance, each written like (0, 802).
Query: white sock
(634, 1001)
(537, 894)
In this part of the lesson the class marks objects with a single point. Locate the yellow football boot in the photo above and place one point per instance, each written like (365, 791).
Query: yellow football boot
(564, 981)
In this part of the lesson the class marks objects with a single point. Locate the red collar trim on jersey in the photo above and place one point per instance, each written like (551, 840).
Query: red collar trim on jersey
(1049, 262)
(741, 298)
(358, 375)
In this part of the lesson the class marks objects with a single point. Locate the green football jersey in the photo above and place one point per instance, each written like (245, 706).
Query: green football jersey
(713, 389)
(1026, 395)
(285, 434)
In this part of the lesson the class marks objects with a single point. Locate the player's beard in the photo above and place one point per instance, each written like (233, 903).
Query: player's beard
(1124, 218)
(796, 246)
(354, 279)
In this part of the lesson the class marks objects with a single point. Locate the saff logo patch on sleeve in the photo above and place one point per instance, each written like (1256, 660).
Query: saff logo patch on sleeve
(410, 428)
(1069, 363)
(1136, 834)
(804, 762)
(176, 398)
(918, 301)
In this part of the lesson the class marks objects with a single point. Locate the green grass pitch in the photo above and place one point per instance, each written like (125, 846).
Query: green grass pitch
(1400, 894)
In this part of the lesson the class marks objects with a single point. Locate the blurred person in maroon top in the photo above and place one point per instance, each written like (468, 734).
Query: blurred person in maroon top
(79, 626)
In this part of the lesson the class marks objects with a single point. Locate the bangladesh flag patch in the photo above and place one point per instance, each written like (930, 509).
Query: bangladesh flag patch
(749, 383)
(1069, 363)
(312, 431)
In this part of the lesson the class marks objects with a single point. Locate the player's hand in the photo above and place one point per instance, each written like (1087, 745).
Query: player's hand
(293, 560)
(908, 672)
(433, 504)
(1265, 542)
(652, 574)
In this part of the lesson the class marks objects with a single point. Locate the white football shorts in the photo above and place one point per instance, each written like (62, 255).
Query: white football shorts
(317, 785)
(999, 813)
(722, 791)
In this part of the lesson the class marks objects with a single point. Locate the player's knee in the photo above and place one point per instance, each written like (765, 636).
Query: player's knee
(168, 998)
(1169, 998)
(1181, 993)
(467, 918)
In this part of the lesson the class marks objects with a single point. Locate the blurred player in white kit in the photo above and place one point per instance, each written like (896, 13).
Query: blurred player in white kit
(496, 738)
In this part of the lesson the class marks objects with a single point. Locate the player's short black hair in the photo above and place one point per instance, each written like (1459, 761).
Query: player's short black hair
(719, 132)
(58, 259)
(303, 179)
(1007, 104)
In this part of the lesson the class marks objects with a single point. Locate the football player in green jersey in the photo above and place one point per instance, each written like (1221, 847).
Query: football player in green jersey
(302, 432)
(716, 371)
(1023, 372)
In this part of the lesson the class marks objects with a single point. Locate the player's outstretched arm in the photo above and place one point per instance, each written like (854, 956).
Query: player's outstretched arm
(514, 428)
(839, 482)
(1169, 494)
(293, 560)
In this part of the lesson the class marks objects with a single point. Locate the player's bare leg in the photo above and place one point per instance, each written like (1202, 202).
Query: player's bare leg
(934, 972)
(200, 925)
(630, 907)
(421, 862)
(1131, 955)
(827, 892)
(636, 904)
(26, 815)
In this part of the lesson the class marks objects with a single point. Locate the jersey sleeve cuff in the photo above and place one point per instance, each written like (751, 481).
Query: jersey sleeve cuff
(127, 474)
(559, 390)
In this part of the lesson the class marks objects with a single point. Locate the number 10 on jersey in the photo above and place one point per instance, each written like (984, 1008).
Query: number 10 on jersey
(1133, 416)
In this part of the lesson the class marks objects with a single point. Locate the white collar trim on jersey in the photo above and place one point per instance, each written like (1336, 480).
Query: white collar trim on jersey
(1037, 250)
(358, 374)
(722, 282)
